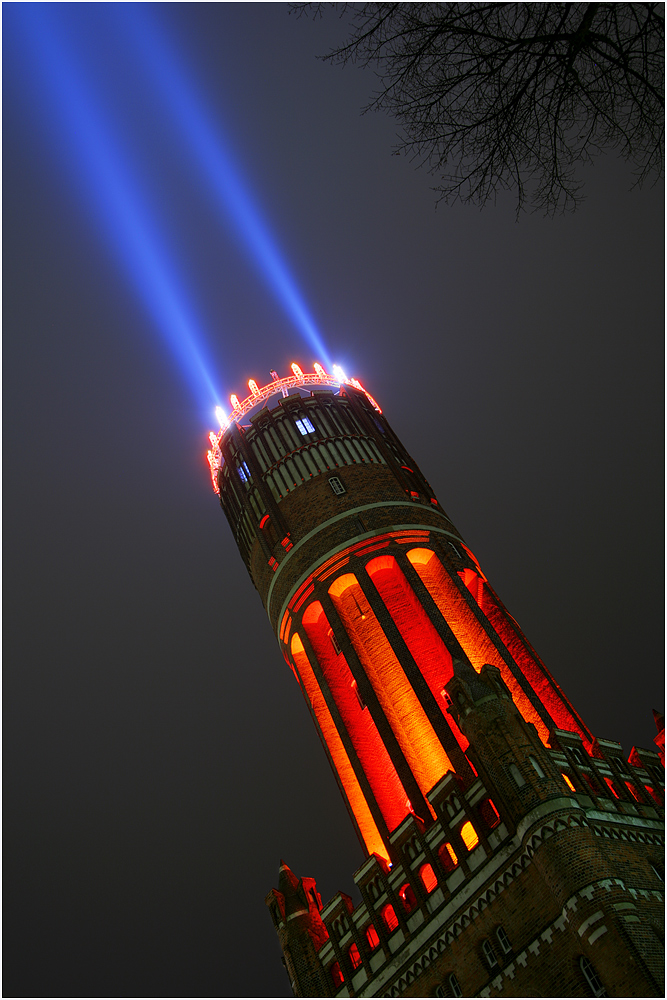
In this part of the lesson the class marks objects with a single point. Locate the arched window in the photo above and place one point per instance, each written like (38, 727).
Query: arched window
(489, 954)
(390, 918)
(503, 941)
(448, 858)
(519, 779)
(538, 770)
(354, 956)
(372, 937)
(454, 985)
(408, 897)
(428, 878)
(469, 836)
(337, 976)
(592, 978)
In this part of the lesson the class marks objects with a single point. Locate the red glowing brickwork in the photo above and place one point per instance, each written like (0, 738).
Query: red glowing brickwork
(415, 734)
(537, 675)
(369, 748)
(418, 632)
(474, 641)
(341, 761)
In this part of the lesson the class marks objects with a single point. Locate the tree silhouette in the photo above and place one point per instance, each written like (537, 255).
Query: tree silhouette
(515, 95)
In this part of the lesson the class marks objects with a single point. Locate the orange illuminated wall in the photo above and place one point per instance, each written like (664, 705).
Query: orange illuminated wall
(537, 675)
(385, 783)
(415, 735)
(417, 631)
(355, 796)
(471, 636)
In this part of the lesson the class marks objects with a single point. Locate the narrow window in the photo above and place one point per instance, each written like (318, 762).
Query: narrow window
(489, 954)
(610, 785)
(362, 703)
(568, 782)
(372, 937)
(244, 472)
(490, 814)
(334, 642)
(336, 486)
(592, 978)
(408, 897)
(354, 956)
(448, 858)
(454, 986)
(336, 975)
(469, 836)
(656, 871)
(305, 427)
(503, 941)
(517, 775)
(633, 791)
(538, 770)
(390, 918)
(427, 876)
(452, 546)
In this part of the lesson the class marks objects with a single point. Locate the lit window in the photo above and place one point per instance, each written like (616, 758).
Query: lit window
(517, 775)
(336, 486)
(427, 876)
(610, 785)
(448, 858)
(390, 918)
(489, 814)
(454, 986)
(568, 782)
(305, 426)
(633, 791)
(503, 941)
(244, 472)
(336, 975)
(538, 770)
(362, 703)
(372, 937)
(408, 897)
(592, 978)
(469, 836)
(489, 954)
(354, 956)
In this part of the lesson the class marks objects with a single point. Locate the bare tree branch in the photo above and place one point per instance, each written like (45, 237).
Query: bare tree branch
(501, 96)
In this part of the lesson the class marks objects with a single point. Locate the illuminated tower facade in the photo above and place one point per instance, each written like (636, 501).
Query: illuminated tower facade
(465, 769)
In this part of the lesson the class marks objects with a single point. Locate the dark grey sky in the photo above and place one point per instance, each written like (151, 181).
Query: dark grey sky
(159, 757)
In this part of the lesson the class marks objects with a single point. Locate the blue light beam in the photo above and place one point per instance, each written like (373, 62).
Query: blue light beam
(105, 179)
(206, 142)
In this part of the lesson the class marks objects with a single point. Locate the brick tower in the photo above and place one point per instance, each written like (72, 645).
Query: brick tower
(509, 851)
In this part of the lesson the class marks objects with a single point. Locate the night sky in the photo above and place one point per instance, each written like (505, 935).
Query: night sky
(159, 757)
